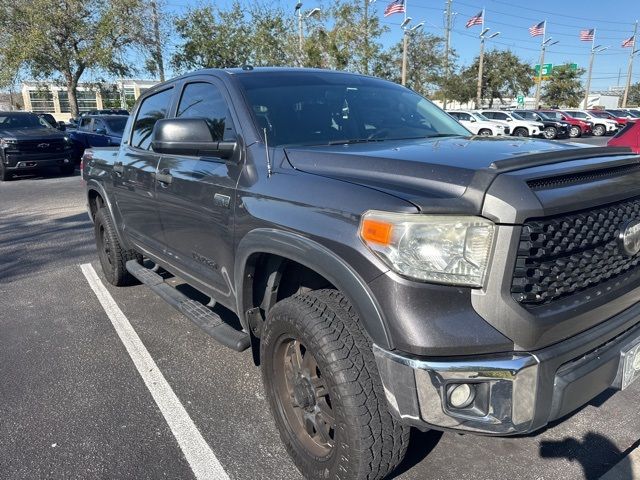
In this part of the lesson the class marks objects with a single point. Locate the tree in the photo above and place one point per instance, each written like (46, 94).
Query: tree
(633, 97)
(425, 63)
(564, 88)
(503, 75)
(214, 37)
(65, 38)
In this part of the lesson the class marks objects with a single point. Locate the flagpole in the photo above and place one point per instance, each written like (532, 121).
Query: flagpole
(480, 66)
(630, 67)
(539, 85)
(593, 54)
(405, 41)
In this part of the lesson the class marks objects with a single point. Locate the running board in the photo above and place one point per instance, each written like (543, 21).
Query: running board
(199, 314)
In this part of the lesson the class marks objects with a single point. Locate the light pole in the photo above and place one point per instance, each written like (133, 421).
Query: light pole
(630, 67)
(594, 50)
(481, 63)
(405, 43)
(545, 44)
(312, 13)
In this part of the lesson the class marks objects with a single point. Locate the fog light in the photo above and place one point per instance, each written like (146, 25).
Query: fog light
(462, 395)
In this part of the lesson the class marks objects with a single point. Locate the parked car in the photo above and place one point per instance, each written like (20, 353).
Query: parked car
(50, 119)
(577, 127)
(518, 125)
(552, 128)
(601, 126)
(620, 121)
(478, 124)
(387, 268)
(107, 111)
(29, 143)
(634, 112)
(97, 131)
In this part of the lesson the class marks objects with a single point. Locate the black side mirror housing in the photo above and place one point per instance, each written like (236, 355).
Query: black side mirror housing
(189, 136)
(62, 126)
(101, 131)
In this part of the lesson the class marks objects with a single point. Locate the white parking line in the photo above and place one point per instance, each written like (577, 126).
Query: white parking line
(201, 458)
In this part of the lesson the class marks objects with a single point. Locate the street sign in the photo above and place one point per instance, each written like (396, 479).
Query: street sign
(547, 68)
(520, 99)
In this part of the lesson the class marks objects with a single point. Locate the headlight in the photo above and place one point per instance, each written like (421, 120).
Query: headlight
(446, 249)
(7, 143)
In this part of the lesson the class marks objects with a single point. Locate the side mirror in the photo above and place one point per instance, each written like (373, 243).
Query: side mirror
(562, 117)
(62, 126)
(189, 136)
(101, 131)
(472, 119)
(509, 119)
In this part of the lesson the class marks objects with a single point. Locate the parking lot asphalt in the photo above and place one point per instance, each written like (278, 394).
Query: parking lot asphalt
(74, 405)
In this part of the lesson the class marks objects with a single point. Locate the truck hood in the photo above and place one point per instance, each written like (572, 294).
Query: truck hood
(436, 175)
(31, 134)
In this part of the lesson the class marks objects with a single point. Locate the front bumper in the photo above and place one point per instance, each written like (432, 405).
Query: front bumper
(18, 161)
(516, 393)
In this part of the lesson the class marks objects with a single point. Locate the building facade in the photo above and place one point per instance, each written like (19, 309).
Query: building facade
(53, 98)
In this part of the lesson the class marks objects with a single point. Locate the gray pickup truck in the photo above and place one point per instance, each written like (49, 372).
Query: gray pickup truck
(388, 269)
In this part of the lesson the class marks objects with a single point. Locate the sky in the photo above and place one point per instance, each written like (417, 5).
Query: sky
(613, 22)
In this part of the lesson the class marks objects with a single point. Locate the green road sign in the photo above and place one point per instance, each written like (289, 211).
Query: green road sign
(520, 99)
(546, 69)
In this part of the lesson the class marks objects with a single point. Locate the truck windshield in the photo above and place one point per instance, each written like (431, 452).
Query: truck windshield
(116, 125)
(318, 108)
(10, 121)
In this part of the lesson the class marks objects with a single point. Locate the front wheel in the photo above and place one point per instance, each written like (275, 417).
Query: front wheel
(599, 130)
(550, 133)
(575, 132)
(521, 132)
(325, 392)
(485, 132)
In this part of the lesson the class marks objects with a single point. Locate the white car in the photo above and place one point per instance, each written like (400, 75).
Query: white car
(600, 126)
(518, 125)
(479, 124)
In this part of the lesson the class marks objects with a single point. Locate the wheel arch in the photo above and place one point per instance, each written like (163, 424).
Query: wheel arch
(262, 258)
(96, 198)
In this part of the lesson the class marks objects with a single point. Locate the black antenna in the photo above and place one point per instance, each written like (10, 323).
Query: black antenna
(266, 148)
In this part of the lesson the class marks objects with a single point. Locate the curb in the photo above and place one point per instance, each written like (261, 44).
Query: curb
(626, 469)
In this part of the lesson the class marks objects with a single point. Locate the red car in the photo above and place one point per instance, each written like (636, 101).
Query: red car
(627, 137)
(621, 121)
(578, 127)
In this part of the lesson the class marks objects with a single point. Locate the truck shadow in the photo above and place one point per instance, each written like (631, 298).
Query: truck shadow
(420, 445)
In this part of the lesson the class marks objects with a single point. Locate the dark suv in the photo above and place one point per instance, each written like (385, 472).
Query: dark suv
(28, 143)
(387, 268)
(553, 128)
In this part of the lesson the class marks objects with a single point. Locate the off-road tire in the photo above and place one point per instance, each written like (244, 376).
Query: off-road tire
(521, 132)
(550, 133)
(485, 132)
(599, 130)
(369, 442)
(5, 175)
(575, 132)
(113, 256)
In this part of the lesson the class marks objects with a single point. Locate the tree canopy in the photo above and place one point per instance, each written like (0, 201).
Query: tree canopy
(564, 87)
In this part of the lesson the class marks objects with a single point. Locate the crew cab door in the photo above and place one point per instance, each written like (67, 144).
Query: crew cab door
(99, 134)
(134, 175)
(197, 194)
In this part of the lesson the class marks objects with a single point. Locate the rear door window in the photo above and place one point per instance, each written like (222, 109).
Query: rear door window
(152, 109)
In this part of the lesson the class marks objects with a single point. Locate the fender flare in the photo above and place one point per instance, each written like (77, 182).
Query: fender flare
(317, 257)
(97, 186)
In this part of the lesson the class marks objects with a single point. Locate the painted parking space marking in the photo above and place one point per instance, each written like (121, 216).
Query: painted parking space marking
(197, 451)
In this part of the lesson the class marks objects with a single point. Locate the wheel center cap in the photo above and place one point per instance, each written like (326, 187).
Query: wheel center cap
(303, 393)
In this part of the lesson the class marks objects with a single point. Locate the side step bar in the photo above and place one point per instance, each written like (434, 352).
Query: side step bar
(207, 320)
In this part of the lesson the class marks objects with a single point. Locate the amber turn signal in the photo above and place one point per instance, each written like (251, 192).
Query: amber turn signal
(376, 232)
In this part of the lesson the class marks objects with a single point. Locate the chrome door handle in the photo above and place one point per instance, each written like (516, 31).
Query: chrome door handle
(164, 176)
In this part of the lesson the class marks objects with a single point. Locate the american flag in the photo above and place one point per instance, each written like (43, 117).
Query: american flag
(475, 20)
(397, 6)
(587, 35)
(629, 42)
(537, 29)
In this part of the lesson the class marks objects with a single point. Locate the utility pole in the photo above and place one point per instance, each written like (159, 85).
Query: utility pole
(483, 37)
(594, 49)
(312, 13)
(543, 47)
(447, 46)
(405, 44)
(366, 37)
(630, 67)
(156, 39)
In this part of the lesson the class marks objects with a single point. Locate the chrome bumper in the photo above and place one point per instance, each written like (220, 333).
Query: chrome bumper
(516, 393)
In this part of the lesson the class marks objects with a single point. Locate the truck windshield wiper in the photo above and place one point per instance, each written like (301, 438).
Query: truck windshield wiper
(348, 141)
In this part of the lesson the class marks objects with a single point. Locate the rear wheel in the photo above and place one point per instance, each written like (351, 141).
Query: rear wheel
(575, 132)
(599, 130)
(325, 392)
(113, 256)
(485, 132)
(521, 132)
(550, 133)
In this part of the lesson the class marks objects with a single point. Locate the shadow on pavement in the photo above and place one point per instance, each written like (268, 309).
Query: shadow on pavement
(420, 445)
(596, 454)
